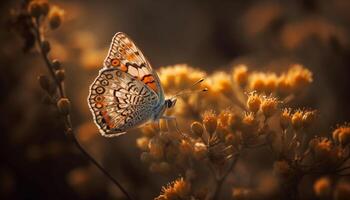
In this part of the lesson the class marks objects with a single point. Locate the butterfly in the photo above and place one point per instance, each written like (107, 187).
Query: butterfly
(127, 91)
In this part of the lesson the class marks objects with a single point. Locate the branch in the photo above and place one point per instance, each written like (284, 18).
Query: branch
(67, 120)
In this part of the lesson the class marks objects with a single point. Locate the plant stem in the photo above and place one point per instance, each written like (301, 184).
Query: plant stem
(67, 121)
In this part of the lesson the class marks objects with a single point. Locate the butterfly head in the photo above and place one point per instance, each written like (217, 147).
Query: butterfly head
(169, 103)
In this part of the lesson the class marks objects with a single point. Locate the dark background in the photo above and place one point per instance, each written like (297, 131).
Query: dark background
(37, 162)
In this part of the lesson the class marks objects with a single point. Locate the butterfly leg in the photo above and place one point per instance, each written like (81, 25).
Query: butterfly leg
(170, 118)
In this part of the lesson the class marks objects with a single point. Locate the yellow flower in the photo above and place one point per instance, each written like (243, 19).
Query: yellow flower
(254, 102)
(285, 118)
(179, 189)
(269, 106)
(210, 121)
(240, 74)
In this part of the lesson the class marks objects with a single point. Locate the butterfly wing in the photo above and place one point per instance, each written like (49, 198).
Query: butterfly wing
(124, 55)
(118, 102)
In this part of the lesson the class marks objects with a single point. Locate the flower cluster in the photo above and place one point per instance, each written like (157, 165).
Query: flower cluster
(248, 115)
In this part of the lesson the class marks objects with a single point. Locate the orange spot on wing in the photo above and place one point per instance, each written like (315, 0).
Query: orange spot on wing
(107, 119)
(131, 57)
(123, 68)
(153, 86)
(115, 62)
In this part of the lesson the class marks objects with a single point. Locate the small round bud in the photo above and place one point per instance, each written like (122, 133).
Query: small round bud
(44, 82)
(60, 74)
(55, 17)
(45, 46)
(64, 106)
(35, 9)
(197, 129)
(322, 187)
(56, 64)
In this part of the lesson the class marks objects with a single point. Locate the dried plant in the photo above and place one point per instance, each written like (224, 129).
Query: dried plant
(242, 111)
(31, 22)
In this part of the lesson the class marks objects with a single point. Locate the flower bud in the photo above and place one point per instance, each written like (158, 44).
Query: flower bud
(56, 64)
(197, 129)
(297, 120)
(254, 102)
(308, 118)
(44, 82)
(269, 106)
(35, 9)
(210, 122)
(60, 74)
(285, 118)
(64, 106)
(45, 46)
(240, 75)
(55, 17)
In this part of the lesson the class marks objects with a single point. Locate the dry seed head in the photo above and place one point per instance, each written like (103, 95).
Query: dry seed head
(284, 85)
(254, 102)
(285, 118)
(64, 106)
(224, 117)
(299, 77)
(342, 134)
(210, 121)
(297, 119)
(308, 118)
(322, 187)
(197, 129)
(269, 106)
(240, 75)
(142, 143)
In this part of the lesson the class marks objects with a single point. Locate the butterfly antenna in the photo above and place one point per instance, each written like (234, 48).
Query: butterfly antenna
(189, 90)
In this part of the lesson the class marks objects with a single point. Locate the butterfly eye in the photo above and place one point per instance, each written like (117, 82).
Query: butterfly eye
(115, 62)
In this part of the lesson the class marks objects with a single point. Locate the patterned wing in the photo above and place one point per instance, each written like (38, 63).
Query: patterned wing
(124, 55)
(119, 102)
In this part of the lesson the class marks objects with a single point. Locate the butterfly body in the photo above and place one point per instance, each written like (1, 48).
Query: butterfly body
(127, 92)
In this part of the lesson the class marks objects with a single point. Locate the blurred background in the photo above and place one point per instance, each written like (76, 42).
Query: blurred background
(37, 161)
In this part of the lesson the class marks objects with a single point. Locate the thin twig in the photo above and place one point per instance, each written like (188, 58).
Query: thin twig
(67, 121)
